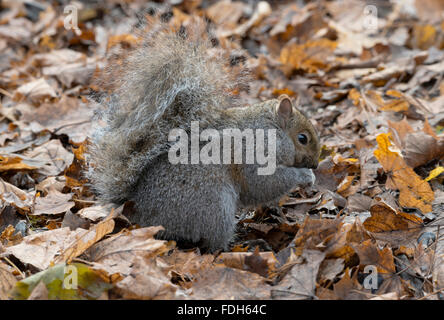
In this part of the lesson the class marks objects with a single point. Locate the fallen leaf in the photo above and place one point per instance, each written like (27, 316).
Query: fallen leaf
(13, 196)
(230, 284)
(54, 155)
(147, 282)
(35, 91)
(187, 265)
(54, 203)
(414, 192)
(300, 282)
(262, 263)
(126, 244)
(420, 148)
(39, 249)
(94, 213)
(13, 163)
(7, 280)
(435, 173)
(310, 56)
(384, 219)
(64, 282)
(330, 268)
(86, 239)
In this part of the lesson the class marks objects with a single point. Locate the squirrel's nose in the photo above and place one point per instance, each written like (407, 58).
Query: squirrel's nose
(313, 164)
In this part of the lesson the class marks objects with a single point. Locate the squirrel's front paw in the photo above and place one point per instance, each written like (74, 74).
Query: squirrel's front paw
(306, 177)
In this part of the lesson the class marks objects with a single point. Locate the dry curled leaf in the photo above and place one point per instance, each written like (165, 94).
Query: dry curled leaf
(11, 195)
(35, 91)
(54, 203)
(7, 280)
(85, 239)
(54, 155)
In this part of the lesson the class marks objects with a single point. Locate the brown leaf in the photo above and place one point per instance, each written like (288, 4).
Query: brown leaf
(300, 282)
(187, 265)
(129, 257)
(370, 254)
(381, 77)
(424, 36)
(230, 284)
(146, 281)
(58, 57)
(39, 249)
(348, 288)
(86, 239)
(68, 115)
(330, 173)
(330, 268)
(399, 131)
(429, 10)
(438, 267)
(51, 183)
(314, 232)
(261, 263)
(421, 148)
(35, 91)
(384, 218)
(55, 156)
(74, 221)
(54, 203)
(298, 23)
(7, 280)
(226, 13)
(124, 245)
(359, 203)
(310, 56)
(414, 192)
(11, 195)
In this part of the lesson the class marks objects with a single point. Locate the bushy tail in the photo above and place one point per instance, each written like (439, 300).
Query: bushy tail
(170, 80)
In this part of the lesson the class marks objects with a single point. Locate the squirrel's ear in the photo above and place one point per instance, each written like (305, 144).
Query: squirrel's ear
(284, 109)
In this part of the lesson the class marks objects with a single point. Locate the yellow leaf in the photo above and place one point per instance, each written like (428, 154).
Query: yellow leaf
(396, 106)
(424, 36)
(394, 93)
(434, 173)
(355, 96)
(288, 92)
(123, 38)
(13, 163)
(310, 56)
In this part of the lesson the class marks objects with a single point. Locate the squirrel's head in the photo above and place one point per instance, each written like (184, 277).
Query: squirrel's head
(301, 131)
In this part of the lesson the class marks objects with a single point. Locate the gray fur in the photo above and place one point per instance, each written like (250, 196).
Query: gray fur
(192, 202)
(167, 82)
(199, 202)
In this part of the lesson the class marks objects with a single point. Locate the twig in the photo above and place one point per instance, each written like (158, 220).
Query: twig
(15, 267)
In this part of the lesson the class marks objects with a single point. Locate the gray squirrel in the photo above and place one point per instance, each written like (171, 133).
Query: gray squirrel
(171, 80)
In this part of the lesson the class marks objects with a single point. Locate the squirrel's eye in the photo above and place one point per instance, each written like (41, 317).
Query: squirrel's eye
(302, 138)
